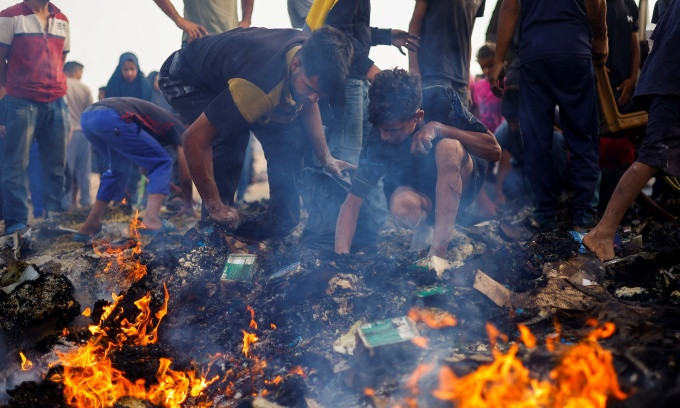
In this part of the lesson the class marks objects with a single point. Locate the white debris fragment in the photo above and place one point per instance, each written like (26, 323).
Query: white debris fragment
(626, 292)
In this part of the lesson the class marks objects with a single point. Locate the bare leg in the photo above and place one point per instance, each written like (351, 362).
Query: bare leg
(94, 218)
(601, 239)
(152, 218)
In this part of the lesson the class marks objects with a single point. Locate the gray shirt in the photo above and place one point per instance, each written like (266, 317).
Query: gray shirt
(217, 16)
(78, 97)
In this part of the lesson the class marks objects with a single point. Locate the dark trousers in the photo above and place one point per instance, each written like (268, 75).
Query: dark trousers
(569, 83)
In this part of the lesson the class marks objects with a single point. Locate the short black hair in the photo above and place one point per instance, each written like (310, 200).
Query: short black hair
(394, 95)
(487, 50)
(70, 67)
(327, 55)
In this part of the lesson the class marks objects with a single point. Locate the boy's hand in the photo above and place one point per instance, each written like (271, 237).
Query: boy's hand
(337, 167)
(422, 139)
(626, 87)
(401, 38)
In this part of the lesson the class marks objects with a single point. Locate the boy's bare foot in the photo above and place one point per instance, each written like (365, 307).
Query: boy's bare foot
(602, 246)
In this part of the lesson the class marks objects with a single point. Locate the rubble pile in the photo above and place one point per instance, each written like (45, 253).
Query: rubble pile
(300, 327)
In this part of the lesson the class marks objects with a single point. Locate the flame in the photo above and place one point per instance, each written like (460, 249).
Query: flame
(253, 323)
(26, 364)
(276, 381)
(91, 381)
(65, 332)
(585, 377)
(369, 392)
(526, 336)
(87, 312)
(124, 201)
(273, 326)
(297, 370)
(433, 319)
(420, 341)
(248, 339)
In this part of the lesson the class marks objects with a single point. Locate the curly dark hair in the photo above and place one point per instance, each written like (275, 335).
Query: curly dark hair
(394, 95)
(327, 55)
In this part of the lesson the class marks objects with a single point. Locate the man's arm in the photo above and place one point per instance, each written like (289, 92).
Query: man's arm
(346, 225)
(504, 167)
(483, 145)
(596, 11)
(197, 142)
(414, 29)
(246, 12)
(192, 29)
(507, 21)
(311, 119)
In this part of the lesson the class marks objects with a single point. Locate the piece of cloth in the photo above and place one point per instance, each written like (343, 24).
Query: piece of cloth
(297, 11)
(570, 84)
(46, 122)
(661, 145)
(401, 168)
(622, 22)
(660, 7)
(217, 16)
(445, 47)
(463, 91)
(121, 141)
(78, 97)
(118, 86)
(79, 160)
(35, 59)
(552, 28)
(488, 105)
(353, 18)
(159, 123)
(659, 75)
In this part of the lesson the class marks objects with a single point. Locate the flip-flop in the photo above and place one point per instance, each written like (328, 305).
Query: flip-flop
(86, 238)
(166, 226)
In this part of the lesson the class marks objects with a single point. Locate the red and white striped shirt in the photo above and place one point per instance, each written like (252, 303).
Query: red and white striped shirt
(35, 57)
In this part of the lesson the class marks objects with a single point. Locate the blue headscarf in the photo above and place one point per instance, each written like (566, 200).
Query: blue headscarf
(118, 86)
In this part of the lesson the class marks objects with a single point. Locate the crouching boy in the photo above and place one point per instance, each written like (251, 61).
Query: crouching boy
(432, 152)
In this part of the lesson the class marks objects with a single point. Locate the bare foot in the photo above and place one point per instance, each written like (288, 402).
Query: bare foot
(602, 246)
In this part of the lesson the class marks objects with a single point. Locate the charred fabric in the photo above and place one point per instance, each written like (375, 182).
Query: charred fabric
(517, 319)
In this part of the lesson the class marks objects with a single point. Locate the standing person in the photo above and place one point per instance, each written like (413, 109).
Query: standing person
(260, 80)
(203, 17)
(130, 129)
(445, 28)
(556, 69)
(623, 62)
(297, 12)
(33, 85)
(658, 91)
(78, 155)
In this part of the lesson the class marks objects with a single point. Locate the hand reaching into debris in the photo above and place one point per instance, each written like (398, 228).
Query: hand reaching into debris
(225, 215)
(401, 38)
(337, 167)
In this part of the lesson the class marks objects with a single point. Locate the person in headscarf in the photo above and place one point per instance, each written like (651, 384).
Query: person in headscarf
(128, 80)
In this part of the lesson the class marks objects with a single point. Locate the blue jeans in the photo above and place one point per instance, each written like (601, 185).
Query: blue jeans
(35, 184)
(122, 143)
(350, 122)
(79, 160)
(48, 124)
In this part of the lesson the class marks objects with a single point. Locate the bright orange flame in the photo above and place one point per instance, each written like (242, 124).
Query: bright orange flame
(248, 339)
(420, 341)
(26, 364)
(65, 332)
(369, 392)
(276, 381)
(273, 326)
(253, 323)
(526, 336)
(297, 370)
(420, 371)
(584, 377)
(434, 320)
(90, 380)
(124, 201)
(87, 312)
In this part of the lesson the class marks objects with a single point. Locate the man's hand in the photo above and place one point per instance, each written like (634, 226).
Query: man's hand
(401, 38)
(422, 140)
(626, 87)
(600, 51)
(244, 23)
(337, 167)
(497, 79)
(225, 215)
(192, 29)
